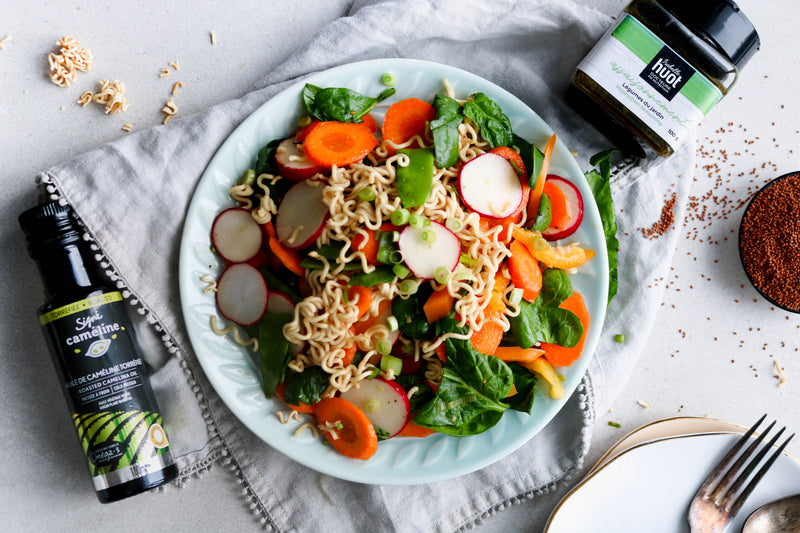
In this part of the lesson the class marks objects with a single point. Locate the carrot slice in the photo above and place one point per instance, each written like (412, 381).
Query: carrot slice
(413, 430)
(289, 258)
(351, 433)
(536, 192)
(438, 305)
(487, 338)
(561, 355)
(338, 143)
(405, 119)
(364, 295)
(515, 354)
(496, 303)
(363, 325)
(303, 132)
(269, 227)
(525, 271)
(349, 354)
(513, 157)
(300, 408)
(370, 122)
(441, 353)
(560, 207)
(544, 368)
(367, 243)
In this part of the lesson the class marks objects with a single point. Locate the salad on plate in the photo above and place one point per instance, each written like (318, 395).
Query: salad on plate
(402, 274)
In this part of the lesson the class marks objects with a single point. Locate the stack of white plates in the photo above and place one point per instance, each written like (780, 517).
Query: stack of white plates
(646, 481)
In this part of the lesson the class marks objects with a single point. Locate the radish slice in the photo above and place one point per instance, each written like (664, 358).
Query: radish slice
(236, 236)
(301, 215)
(242, 294)
(425, 258)
(490, 186)
(574, 209)
(293, 162)
(384, 402)
(281, 304)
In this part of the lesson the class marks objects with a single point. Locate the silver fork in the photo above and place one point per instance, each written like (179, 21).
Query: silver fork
(721, 496)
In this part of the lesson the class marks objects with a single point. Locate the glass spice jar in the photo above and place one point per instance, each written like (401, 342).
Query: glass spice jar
(660, 69)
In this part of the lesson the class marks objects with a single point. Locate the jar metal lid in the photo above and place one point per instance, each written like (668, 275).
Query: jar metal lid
(721, 21)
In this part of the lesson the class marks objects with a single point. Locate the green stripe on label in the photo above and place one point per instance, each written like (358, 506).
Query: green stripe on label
(637, 38)
(700, 92)
(77, 307)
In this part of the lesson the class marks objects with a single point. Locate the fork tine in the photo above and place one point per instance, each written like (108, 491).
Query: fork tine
(752, 485)
(742, 477)
(723, 464)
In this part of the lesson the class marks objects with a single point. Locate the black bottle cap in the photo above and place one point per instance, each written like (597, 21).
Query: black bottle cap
(722, 22)
(47, 223)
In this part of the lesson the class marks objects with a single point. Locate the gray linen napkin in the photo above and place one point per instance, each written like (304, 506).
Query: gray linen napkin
(132, 196)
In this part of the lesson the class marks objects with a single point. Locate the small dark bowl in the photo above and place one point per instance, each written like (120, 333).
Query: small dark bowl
(766, 296)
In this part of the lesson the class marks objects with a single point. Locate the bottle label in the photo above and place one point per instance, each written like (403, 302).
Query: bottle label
(652, 81)
(114, 408)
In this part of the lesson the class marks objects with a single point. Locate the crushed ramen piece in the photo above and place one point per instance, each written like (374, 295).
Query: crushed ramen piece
(781, 374)
(307, 426)
(175, 65)
(64, 66)
(127, 127)
(644, 404)
(112, 96)
(86, 98)
(164, 72)
(177, 85)
(293, 415)
(4, 40)
(213, 37)
(169, 110)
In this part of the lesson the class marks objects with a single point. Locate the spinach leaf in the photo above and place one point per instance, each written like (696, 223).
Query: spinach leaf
(525, 385)
(383, 274)
(545, 323)
(469, 399)
(545, 215)
(556, 287)
(411, 316)
(458, 409)
(444, 129)
(265, 159)
(274, 348)
(543, 320)
(306, 386)
(493, 124)
(537, 162)
(525, 150)
(339, 103)
(316, 264)
(599, 181)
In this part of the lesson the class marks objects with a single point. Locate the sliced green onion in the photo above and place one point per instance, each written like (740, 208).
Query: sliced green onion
(400, 217)
(516, 296)
(426, 222)
(619, 338)
(408, 286)
(372, 405)
(395, 236)
(396, 257)
(304, 121)
(442, 274)
(392, 323)
(346, 297)
(339, 426)
(615, 425)
(462, 273)
(540, 244)
(367, 194)
(401, 271)
(467, 260)
(453, 224)
(391, 363)
(249, 177)
(428, 236)
(383, 346)
(389, 79)
(375, 372)
(416, 221)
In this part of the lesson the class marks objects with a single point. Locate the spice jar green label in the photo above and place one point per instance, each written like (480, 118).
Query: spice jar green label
(651, 80)
(107, 390)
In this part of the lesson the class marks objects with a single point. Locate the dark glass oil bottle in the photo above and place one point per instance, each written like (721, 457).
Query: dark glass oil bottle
(103, 374)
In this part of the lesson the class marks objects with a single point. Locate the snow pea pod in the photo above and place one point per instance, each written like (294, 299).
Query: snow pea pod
(414, 182)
